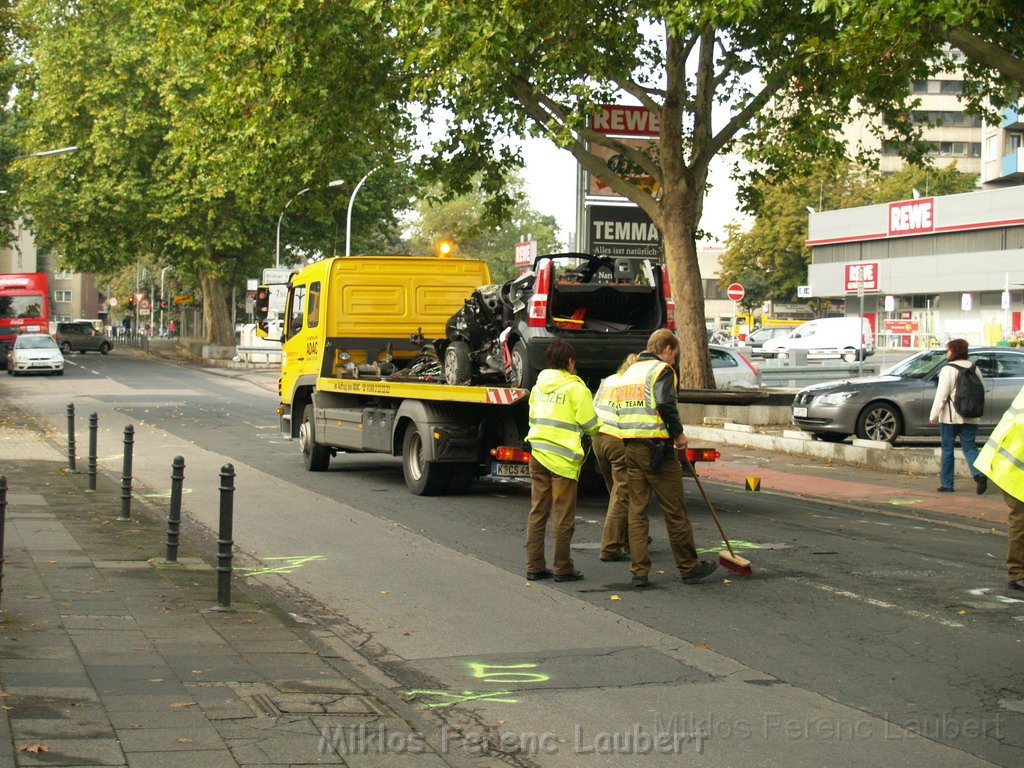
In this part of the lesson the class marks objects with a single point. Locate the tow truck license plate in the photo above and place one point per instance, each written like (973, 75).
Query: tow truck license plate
(510, 470)
(799, 412)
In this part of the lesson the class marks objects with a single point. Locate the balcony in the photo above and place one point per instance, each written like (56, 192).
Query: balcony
(1013, 166)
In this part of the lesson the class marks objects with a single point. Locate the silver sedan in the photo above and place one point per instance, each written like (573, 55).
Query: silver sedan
(897, 402)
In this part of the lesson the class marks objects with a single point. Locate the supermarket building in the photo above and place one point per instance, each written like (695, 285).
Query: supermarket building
(926, 269)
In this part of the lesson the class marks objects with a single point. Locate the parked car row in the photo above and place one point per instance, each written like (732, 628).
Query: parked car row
(897, 402)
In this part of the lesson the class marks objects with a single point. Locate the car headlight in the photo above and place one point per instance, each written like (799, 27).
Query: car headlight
(835, 398)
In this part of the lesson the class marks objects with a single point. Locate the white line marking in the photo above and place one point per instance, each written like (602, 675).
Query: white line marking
(984, 592)
(881, 604)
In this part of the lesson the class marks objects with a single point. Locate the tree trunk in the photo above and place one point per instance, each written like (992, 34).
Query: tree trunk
(679, 226)
(216, 318)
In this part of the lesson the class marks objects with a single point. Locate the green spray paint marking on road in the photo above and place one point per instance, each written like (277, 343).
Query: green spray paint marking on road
(903, 502)
(290, 564)
(164, 495)
(502, 673)
(451, 698)
(737, 545)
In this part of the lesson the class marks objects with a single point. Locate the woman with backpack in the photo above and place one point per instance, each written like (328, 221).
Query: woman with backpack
(958, 403)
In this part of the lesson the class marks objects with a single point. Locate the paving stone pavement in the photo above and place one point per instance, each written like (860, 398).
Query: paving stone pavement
(110, 658)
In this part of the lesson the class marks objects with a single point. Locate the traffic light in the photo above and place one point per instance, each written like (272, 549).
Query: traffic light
(130, 304)
(163, 303)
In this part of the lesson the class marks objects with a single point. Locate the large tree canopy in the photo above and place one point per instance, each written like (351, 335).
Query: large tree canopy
(712, 72)
(196, 124)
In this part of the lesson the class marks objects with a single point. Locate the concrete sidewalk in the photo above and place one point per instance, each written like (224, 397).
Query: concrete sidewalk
(109, 658)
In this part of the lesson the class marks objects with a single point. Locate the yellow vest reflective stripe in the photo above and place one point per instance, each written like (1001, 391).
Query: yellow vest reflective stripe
(1002, 457)
(606, 413)
(634, 402)
(555, 435)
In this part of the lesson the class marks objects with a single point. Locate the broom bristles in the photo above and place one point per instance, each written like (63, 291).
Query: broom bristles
(735, 563)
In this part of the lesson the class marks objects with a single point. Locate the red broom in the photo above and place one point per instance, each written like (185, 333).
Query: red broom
(728, 560)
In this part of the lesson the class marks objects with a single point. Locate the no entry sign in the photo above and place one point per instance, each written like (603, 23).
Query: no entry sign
(735, 292)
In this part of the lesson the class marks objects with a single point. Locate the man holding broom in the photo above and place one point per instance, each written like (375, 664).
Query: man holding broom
(644, 398)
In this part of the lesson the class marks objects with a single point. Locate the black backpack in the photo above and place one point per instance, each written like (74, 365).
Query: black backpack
(969, 400)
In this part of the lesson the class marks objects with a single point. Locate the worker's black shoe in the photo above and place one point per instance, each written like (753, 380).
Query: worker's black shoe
(569, 576)
(944, 489)
(1018, 584)
(982, 483)
(538, 575)
(641, 581)
(616, 558)
(706, 568)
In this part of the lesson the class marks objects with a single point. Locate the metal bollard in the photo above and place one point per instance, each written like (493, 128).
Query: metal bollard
(174, 513)
(94, 428)
(71, 436)
(3, 521)
(224, 542)
(126, 475)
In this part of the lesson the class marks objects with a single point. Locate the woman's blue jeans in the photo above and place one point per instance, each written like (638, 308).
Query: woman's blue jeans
(949, 432)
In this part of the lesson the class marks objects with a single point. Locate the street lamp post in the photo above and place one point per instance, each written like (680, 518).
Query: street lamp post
(348, 219)
(277, 249)
(162, 310)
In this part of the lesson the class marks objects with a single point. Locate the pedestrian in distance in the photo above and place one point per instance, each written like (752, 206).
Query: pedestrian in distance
(652, 432)
(561, 412)
(959, 400)
(610, 453)
(1002, 460)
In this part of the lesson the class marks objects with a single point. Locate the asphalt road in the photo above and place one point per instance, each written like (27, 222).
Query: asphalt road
(903, 618)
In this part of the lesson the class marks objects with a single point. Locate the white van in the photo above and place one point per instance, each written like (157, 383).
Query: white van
(845, 337)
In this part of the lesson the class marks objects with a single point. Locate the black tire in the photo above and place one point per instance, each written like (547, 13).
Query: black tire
(423, 478)
(851, 355)
(879, 421)
(523, 375)
(65, 347)
(831, 437)
(316, 457)
(104, 348)
(461, 478)
(458, 369)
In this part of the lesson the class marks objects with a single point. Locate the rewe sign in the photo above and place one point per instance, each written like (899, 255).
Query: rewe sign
(622, 120)
(912, 217)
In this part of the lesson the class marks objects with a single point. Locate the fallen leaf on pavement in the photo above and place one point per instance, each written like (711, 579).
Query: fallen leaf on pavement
(181, 704)
(615, 597)
(34, 748)
(6, 708)
(156, 680)
(184, 741)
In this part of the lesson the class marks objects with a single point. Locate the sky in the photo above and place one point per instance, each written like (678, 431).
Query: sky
(551, 185)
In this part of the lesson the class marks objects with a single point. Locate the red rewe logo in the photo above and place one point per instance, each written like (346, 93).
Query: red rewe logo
(912, 217)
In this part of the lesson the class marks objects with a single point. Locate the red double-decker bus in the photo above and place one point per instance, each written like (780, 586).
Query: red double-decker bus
(24, 307)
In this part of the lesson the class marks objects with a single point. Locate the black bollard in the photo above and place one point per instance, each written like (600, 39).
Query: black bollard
(174, 513)
(126, 475)
(94, 428)
(3, 521)
(224, 542)
(71, 436)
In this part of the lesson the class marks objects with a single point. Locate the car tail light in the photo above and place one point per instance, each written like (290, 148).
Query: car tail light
(537, 308)
(702, 454)
(670, 303)
(505, 453)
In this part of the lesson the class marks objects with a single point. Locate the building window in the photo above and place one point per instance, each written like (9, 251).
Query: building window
(63, 275)
(62, 297)
(951, 87)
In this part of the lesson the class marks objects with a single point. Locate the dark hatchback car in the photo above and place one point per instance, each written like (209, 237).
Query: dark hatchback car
(605, 307)
(897, 402)
(81, 337)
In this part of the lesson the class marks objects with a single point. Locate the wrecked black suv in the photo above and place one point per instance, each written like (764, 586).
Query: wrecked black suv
(605, 307)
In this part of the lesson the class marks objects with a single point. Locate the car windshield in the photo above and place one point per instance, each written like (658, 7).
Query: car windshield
(36, 342)
(917, 366)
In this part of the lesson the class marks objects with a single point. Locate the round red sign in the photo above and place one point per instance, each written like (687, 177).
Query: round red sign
(735, 292)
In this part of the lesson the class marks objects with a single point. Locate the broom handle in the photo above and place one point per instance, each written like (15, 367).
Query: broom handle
(708, 502)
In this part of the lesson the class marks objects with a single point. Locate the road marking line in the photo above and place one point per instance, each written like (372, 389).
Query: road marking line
(986, 592)
(881, 604)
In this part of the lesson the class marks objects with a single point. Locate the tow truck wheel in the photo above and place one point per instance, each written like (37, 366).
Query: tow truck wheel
(423, 478)
(457, 365)
(316, 457)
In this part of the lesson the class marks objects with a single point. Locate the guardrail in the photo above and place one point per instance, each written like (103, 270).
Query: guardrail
(135, 340)
(805, 375)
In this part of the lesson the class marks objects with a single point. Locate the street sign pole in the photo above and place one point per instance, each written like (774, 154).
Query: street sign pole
(860, 333)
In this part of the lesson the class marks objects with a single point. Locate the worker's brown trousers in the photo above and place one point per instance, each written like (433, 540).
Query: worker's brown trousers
(611, 459)
(555, 496)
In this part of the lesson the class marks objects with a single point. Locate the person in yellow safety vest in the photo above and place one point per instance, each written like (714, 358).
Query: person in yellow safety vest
(651, 430)
(1002, 461)
(561, 412)
(611, 460)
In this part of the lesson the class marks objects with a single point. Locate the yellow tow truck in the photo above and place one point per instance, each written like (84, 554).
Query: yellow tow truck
(357, 376)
